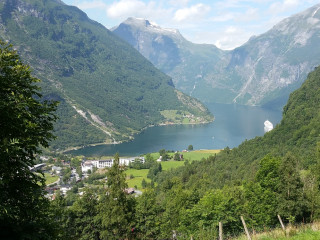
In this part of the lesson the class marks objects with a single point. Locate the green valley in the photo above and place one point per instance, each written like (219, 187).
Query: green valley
(106, 89)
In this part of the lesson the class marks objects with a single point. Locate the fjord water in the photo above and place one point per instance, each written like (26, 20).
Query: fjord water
(232, 125)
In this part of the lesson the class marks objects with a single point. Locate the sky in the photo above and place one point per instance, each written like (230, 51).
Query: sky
(224, 23)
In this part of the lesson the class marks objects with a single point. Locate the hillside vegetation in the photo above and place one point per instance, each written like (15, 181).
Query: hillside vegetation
(107, 90)
(298, 133)
(274, 174)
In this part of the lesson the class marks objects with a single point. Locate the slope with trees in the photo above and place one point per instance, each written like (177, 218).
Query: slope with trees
(107, 90)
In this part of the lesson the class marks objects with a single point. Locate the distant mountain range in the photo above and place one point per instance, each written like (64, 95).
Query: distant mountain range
(107, 90)
(262, 71)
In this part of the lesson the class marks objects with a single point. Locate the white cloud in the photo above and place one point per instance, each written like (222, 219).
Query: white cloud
(249, 16)
(125, 8)
(179, 3)
(280, 7)
(223, 17)
(135, 8)
(91, 5)
(192, 13)
(231, 29)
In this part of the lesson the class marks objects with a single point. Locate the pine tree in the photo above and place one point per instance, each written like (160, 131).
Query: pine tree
(116, 210)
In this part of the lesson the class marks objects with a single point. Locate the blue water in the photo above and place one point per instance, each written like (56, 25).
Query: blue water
(232, 125)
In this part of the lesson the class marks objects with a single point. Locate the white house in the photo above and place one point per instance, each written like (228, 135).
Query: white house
(87, 165)
(108, 163)
(102, 163)
(127, 161)
(56, 169)
(96, 163)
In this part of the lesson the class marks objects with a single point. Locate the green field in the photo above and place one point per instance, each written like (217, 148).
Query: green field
(171, 164)
(50, 179)
(199, 154)
(192, 155)
(138, 176)
(142, 174)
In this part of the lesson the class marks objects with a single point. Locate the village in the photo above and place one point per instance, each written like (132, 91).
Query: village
(69, 176)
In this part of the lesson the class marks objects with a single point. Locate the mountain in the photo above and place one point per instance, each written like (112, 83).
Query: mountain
(266, 177)
(298, 133)
(187, 63)
(262, 71)
(107, 90)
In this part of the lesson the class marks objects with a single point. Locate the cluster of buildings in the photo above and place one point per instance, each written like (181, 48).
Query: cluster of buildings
(90, 164)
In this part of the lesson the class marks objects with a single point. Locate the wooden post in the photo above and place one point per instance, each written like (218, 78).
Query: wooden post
(245, 228)
(282, 225)
(220, 231)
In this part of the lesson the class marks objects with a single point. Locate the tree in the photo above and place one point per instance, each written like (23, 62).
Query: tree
(83, 222)
(163, 153)
(143, 184)
(117, 207)
(262, 196)
(147, 215)
(26, 124)
(66, 175)
(190, 147)
(291, 198)
(176, 157)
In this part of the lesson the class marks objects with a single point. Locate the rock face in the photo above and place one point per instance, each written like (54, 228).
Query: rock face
(262, 71)
(106, 89)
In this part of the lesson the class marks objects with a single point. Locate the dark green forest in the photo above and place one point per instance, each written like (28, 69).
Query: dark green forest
(86, 67)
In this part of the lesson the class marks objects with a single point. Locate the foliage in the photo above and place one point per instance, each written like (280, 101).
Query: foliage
(82, 223)
(107, 90)
(274, 174)
(50, 179)
(147, 216)
(26, 124)
(116, 209)
(154, 170)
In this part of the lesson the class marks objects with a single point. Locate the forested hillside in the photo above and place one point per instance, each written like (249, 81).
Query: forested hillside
(274, 174)
(298, 133)
(107, 90)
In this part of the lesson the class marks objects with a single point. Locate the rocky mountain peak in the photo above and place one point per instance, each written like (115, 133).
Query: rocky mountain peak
(144, 25)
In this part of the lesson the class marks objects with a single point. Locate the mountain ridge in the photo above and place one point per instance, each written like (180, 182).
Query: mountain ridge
(107, 90)
(263, 71)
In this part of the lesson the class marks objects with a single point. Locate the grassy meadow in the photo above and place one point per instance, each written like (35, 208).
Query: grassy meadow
(50, 179)
(301, 232)
(139, 175)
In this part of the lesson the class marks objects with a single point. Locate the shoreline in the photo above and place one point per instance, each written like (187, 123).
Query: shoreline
(131, 138)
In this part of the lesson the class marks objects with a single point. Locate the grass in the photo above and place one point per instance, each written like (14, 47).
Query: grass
(171, 164)
(192, 155)
(50, 179)
(138, 176)
(141, 174)
(199, 154)
(302, 232)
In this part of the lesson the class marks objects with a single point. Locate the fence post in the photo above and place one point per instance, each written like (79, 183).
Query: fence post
(245, 228)
(220, 231)
(282, 225)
